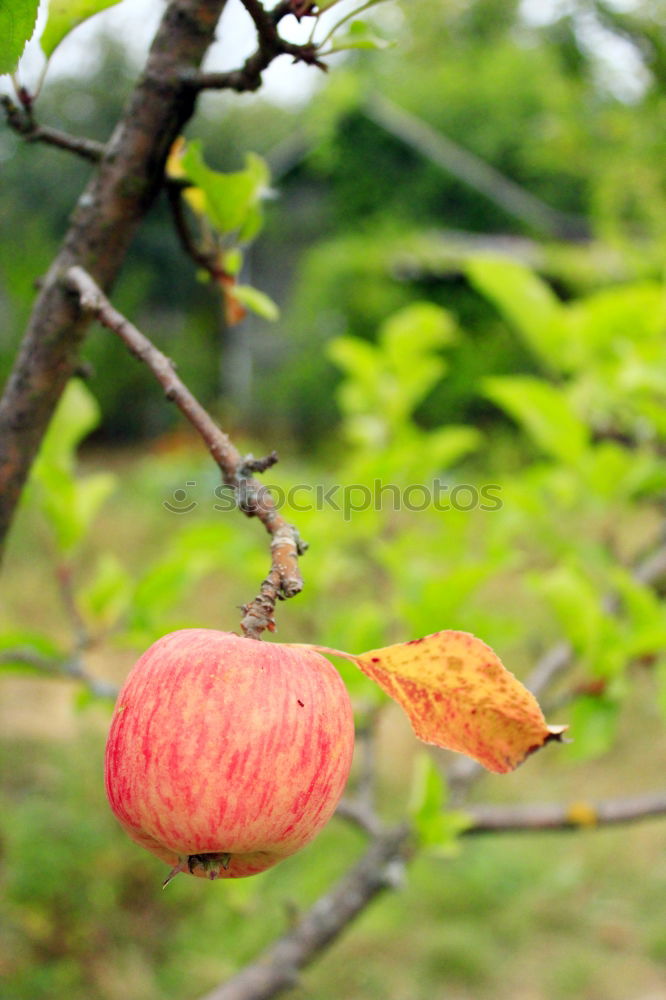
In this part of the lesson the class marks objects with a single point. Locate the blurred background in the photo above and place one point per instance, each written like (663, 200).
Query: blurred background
(466, 243)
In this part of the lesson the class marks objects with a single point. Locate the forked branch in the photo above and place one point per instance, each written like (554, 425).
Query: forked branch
(284, 578)
(270, 45)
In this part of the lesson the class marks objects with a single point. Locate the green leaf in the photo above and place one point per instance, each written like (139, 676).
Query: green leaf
(65, 15)
(233, 261)
(232, 200)
(43, 644)
(257, 301)
(527, 303)
(68, 502)
(108, 595)
(436, 827)
(17, 23)
(76, 416)
(544, 412)
(26, 645)
(360, 362)
(417, 329)
(385, 383)
(359, 35)
(446, 445)
(576, 605)
(354, 356)
(408, 341)
(644, 613)
(594, 721)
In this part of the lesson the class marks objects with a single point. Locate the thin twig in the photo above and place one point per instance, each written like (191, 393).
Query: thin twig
(270, 45)
(22, 122)
(356, 812)
(82, 637)
(206, 261)
(284, 578)
(70, 668)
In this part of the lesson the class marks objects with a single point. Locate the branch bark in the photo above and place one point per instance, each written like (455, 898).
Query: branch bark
(564, 816)
(284, 578)
(120, 192)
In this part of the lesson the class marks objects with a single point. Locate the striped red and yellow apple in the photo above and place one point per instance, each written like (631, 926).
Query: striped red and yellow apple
(228, 754)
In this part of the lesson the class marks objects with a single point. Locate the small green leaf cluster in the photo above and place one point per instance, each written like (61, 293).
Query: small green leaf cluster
(228, 207)
(437, 827)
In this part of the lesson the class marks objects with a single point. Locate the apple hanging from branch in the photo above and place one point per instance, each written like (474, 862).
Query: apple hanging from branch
(228, 754)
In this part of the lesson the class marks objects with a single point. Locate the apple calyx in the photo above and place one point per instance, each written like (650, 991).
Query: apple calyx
(212, 864)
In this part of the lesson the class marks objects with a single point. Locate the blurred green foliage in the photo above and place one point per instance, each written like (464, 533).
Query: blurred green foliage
(81, 910)
(575, 501)
(364, 222)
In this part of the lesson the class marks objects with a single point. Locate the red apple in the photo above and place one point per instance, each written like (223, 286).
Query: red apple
(227, 754)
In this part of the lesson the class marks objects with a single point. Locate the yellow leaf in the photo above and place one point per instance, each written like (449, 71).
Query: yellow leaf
(174, 164)
(458, 695)
(196, 199)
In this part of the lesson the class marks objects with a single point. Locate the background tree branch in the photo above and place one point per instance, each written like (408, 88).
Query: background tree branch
(474, 172)
(381, 868)
(119, 194)
(564, 816)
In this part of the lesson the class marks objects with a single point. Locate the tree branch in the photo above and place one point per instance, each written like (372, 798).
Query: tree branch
(278, 967)
(270, 45)
(284, 579)
(206, 261)
(69, 668)
(22, 121)
(474, 172)
(564, 816)
(120, 192)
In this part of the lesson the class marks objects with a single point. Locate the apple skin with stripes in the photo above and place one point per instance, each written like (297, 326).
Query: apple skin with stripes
(226, 754)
